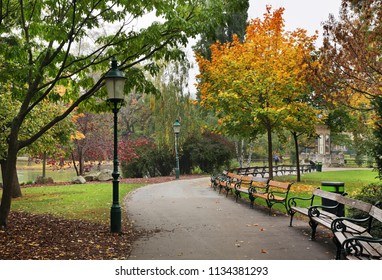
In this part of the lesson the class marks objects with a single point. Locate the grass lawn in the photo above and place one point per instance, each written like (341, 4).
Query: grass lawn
(354, 181)
(90, 202)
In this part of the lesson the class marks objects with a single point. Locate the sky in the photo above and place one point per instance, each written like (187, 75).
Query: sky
(306, 14)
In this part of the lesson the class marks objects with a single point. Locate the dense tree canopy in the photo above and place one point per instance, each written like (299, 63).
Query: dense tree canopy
(255, 85)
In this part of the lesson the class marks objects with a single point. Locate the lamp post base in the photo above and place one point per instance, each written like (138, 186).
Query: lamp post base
(177, 173)
(115, 218)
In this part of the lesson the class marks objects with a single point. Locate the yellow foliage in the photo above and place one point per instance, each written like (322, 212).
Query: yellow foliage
(60, 90)
(77, 136)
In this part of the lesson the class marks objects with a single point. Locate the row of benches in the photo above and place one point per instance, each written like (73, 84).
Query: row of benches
(277, 170)
(273, 192)
(352, 237)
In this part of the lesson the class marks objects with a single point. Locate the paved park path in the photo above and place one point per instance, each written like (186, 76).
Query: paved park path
(188, 220)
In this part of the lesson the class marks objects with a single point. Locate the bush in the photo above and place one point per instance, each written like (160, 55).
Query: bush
(210, 152)
(164, 162)
(372, 193)
(137, 158)
(142, 158)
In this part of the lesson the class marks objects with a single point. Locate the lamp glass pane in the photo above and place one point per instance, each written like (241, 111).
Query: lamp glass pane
(115, 87)
(110, 88)
(176, 127)
(119, 88)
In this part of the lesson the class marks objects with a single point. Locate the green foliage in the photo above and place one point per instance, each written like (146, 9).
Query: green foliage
(339, 119)
(206, 152)
(234, 22)
(371, 193)
(38, 55)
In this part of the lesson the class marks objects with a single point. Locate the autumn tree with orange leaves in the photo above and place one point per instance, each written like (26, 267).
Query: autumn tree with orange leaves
(260, 85)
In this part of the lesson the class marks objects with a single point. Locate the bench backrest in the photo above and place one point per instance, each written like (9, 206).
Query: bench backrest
(376, 213)
(327, 195)
(245, 181)
(234, 178)
(231, 175)
(353, 203)
(340, 198)
(280, 185)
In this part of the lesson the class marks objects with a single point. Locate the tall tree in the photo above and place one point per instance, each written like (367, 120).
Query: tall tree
(351, 60)
(49, 37)
(250, 85)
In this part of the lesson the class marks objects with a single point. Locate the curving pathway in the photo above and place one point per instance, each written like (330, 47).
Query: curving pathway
(191, 221)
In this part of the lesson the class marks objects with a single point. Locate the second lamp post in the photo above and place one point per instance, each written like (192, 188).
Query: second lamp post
(176, 127)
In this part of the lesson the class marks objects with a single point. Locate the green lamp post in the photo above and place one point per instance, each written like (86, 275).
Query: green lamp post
(176, 127)
(115, 82)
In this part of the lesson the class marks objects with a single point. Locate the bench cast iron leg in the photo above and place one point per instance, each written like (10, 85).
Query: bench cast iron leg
(237, 193)
(252, 201)
(313, 225)
(291, 213)
(338, 246)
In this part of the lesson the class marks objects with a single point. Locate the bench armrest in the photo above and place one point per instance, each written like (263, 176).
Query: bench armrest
(292, 201)
(313, 211)
(258, 189)
(353, 245)
(338, 224)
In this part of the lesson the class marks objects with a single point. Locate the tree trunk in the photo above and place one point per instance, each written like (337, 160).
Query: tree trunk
(250, 152)
(75, 165)
(44, 165)
(295, 138)
(2, 167)
(8, 180)
(16, 190)
(270, 151)
(81, 162)
(242, 153)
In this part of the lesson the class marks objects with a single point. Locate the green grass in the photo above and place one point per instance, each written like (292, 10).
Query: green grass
(354, 180)
(90, 202)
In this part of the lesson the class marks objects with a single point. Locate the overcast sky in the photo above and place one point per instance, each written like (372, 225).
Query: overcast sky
(307, 14)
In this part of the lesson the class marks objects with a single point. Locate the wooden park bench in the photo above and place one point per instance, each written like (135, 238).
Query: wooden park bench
(226, 181)
(246, 184)
(323, 215)
(217, 178)
(229, 184)
(353, 237)
(274, 192)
